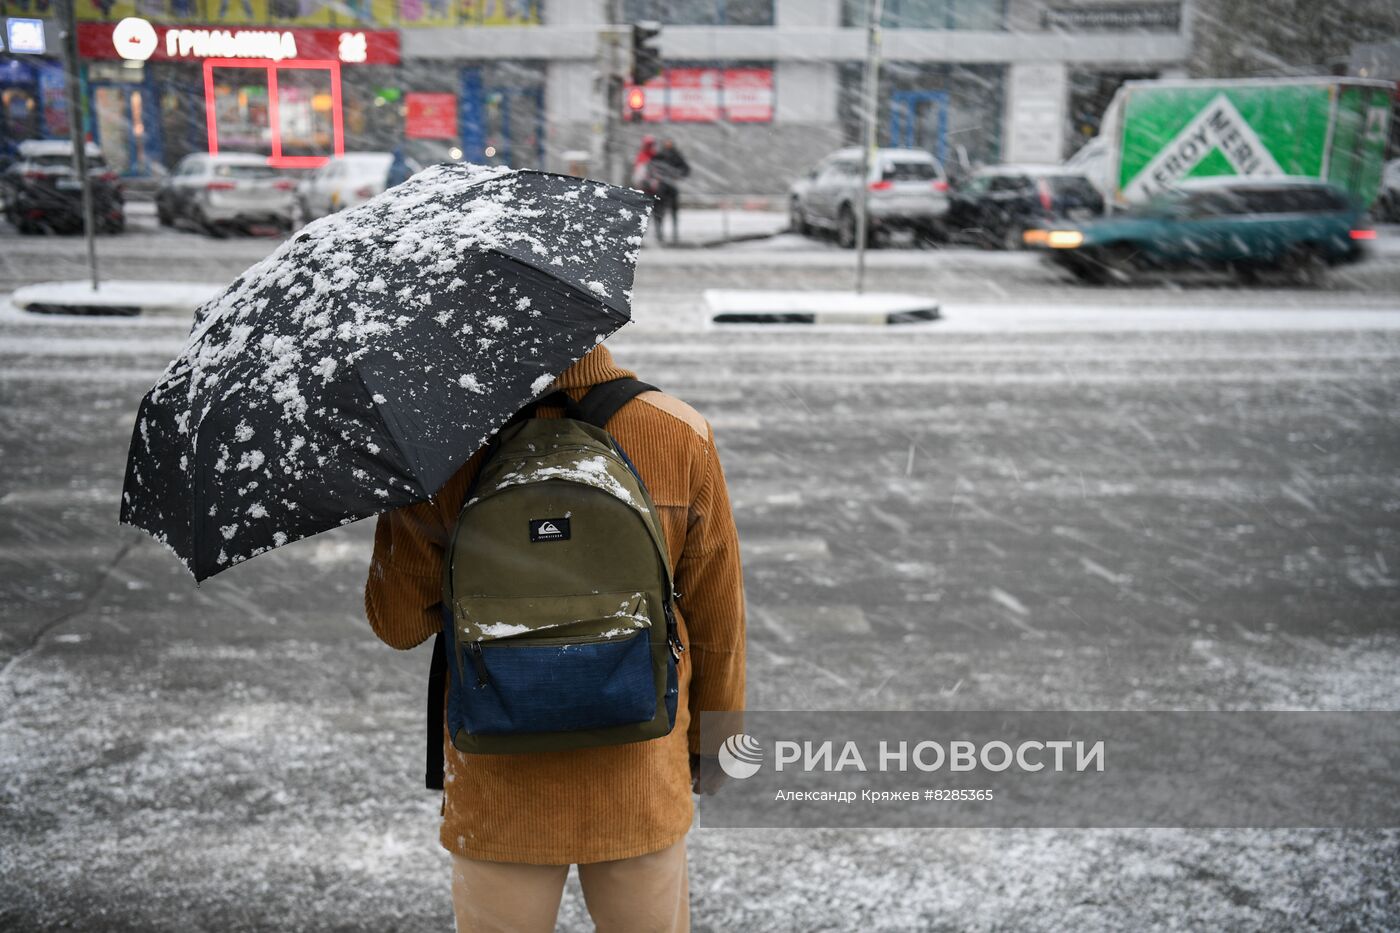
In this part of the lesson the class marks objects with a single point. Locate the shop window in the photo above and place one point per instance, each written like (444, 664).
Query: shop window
(701, 12)
(19, 113)
(240, 110)
(953, 112)
(289, 111)
(983, 15)
(304, 110)
(500, 119)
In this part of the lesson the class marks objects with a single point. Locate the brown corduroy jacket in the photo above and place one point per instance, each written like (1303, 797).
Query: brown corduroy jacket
(593, 804)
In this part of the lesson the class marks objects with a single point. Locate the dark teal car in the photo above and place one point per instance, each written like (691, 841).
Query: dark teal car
(1245, 225)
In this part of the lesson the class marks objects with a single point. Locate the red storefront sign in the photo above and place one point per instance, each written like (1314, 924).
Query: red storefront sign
(705, 95)
(430, 116)
(693, 95)
(132, 39)
(748, 95)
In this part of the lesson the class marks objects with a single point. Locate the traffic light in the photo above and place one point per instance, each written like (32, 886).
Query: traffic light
(646, 57)
(636, 103)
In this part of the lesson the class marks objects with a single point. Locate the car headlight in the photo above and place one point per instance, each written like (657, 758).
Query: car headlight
(1064, 239)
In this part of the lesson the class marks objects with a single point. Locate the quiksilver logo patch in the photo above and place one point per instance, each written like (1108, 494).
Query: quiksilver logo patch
(549, 529)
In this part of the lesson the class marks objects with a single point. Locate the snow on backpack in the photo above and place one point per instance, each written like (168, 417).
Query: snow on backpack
(558, 625)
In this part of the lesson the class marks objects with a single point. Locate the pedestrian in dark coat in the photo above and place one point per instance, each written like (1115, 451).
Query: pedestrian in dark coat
(666, 170)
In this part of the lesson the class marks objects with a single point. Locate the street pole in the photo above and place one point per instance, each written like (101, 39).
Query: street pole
(727, 138)
(611, 142)
(607, 86)
(612, 94)
(727, 129)
(872, 109)
(75, 132)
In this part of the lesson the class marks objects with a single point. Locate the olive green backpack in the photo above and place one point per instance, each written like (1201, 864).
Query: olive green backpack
(558, 626)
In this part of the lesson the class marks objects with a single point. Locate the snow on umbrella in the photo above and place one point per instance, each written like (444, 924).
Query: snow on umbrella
(356, 368)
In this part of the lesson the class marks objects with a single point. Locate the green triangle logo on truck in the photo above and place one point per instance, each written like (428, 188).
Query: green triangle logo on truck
(1219, 127)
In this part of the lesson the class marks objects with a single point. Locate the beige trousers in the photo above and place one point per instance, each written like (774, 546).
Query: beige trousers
(646, 894)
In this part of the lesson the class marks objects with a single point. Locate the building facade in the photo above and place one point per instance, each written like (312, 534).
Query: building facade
(33, 92)
(975, 81)
(972, 81)
(295, 80)
(754, 91)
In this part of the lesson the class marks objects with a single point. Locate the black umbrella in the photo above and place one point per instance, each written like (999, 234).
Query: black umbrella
(357, 367)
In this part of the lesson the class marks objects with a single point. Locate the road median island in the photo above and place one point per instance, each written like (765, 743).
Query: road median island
(764, 306)
(115, 298)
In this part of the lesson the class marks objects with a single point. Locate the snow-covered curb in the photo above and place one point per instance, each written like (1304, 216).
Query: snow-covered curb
(760, 306)
(114, 297)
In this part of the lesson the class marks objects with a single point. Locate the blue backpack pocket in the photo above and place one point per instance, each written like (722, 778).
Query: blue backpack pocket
(561, 687)
(528, 665)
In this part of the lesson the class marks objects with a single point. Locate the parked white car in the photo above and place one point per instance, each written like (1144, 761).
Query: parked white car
(345, 181)
(231, 190)
(908, 189)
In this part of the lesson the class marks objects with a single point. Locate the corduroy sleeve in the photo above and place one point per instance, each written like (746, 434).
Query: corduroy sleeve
(404, 589)
(710, 579)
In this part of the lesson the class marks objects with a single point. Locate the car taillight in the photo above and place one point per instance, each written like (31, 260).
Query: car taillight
(37, 176)
(940, 186)
(1363, 234)
(220, 186)
(284, 184)
(107, 177)
(881, 185)
(1046, 200)
(364, 191)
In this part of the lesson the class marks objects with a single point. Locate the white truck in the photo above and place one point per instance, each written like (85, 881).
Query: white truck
(1156, 133)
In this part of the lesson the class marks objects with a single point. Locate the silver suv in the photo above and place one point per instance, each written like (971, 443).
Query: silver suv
(908, 189)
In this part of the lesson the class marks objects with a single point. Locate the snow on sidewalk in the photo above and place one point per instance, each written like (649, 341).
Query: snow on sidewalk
(115, 297)
(670, 313)
(705, 226)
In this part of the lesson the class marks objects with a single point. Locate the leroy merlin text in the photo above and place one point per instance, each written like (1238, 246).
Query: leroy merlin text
(958, 755)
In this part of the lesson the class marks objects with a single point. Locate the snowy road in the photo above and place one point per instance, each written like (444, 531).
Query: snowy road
(676, 276)
(1154, 499)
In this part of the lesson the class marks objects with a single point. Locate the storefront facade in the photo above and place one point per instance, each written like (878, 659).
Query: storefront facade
(157, 92)
(756, 90)
(972, 81)
(33, 92)
(298, 81)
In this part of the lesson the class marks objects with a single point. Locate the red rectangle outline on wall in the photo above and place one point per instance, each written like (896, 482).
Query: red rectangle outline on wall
(277, 159)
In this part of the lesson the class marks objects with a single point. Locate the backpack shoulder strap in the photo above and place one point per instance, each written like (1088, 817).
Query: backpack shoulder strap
(558, 397)
(603, 400)
(437, 690)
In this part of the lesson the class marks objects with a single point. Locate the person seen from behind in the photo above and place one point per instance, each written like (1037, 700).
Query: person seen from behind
(514, 823)
(666, 170)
